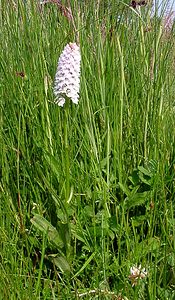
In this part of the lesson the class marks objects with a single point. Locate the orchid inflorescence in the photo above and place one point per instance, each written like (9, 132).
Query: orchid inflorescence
(67, 78)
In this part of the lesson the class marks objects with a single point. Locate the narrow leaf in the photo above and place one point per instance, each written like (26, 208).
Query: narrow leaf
(85, 265)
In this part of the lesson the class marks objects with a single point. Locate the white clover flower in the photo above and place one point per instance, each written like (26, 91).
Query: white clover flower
(137, 273)
(67, 78)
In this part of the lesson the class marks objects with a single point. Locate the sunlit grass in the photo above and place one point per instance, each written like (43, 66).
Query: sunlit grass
(77, 213)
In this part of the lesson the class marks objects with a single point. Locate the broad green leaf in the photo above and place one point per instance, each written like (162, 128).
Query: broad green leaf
(149, 245)
(136, 199)
(134, 178)
(145, 180)
(60, 262)
(145, 171)
(43, 225)
(124, 188)
(137, 221)
(171, 259)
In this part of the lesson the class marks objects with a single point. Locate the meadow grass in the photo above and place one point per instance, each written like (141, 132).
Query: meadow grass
(87, 190)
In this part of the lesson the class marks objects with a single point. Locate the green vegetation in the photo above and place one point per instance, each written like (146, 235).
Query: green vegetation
(86, 191)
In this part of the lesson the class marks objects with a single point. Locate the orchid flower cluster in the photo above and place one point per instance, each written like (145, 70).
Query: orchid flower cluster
(67, 78)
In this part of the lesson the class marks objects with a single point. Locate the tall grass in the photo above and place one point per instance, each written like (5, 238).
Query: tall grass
(87, 192)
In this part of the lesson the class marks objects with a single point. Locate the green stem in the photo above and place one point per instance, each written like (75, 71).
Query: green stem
(67, 172)
(66, 149)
